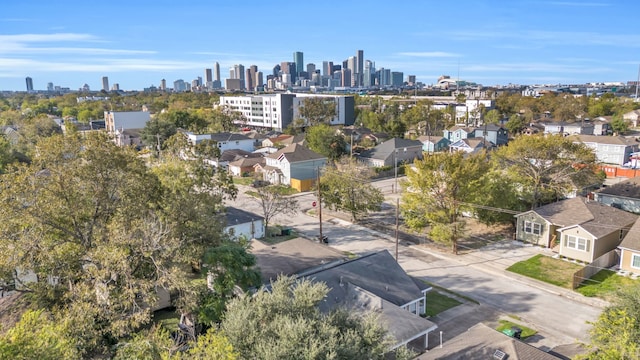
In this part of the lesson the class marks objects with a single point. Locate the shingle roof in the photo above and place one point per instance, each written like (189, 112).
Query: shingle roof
(481, 342)
(609, 140)
(236, 216)
(631, 241)
(434, 139)
(593, 216)
(227, 136)
(629, 188)
(295, 153)
(384, 150)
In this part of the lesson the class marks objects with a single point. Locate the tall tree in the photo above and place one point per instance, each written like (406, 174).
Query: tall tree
(317, 110)
(346, 187)
(288, 317)
(273, 202)
(547, 167)
(324, 140)
(616, 333)
(436, 193)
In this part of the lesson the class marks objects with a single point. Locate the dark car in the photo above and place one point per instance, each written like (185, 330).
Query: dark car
(259, 183)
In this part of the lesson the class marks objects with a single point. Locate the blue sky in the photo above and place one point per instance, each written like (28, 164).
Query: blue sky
(137, 43)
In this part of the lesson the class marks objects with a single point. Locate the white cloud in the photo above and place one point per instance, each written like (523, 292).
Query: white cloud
(56, 37)
(428, 54)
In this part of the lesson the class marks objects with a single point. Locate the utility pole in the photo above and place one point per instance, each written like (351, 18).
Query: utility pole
(397, 224)
(319, 203)
(395, 169)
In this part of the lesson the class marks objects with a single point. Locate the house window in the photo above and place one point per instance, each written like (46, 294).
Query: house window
(577, 243)
(532, 228)
(635, 261)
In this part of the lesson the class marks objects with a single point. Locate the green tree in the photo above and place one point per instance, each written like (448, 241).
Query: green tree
(288, 316)
(437, 192)
(37, 336)
(156, 131)
(619, 125)
(616, 333)
(324, 140)
(515, 124)
(151, 344)
(6, 153)
(547, 167)
(229, 265)
(317, 110)
(346, 187)
(213, 345)
(273, 202)
(106, 227)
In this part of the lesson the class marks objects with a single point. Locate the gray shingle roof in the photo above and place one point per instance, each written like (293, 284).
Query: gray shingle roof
(629, 188)
(631, 241)
(609, 140)
(236, 216)
(295, 153)
(227, 136)
(384, 150)
(481, 342)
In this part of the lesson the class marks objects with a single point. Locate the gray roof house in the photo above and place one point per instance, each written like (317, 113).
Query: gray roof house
(294, 165)
(483, 342)
(496, 134)
(392, 152)
(565, 128)
(624, 195)
(376, 282)
(471, 145)
(630, 250)
(609, 149)
(577, 228)
(433, 143)
(241, 223)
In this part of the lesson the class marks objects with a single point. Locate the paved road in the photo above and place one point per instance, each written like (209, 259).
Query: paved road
(559, 318)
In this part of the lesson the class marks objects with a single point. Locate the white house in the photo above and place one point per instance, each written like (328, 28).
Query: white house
(125, 120)
(294, 165)
(609, 149)
(241, 223)
(224, 140)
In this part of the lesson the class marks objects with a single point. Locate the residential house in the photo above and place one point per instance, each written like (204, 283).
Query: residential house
(471, 145)
(431, 144)
(245, 165)
(232, 155)
(294, 165)
(624, 195)
(483, 342)
(609, 149)
(458, 133)
(565, 128)
(602, 125)
(299, 139)
(577, 228)
(125, 126)
(392, 152)
(228, 141)
(630, 250)
(241, 223)
(275, 140)
(496, 134)
(632, 117)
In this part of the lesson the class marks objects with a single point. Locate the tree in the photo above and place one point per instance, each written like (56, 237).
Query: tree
(324, 140)
(346, 187)
(38, 336)
(436, 194)
(274, 202)
(157, 131)
(213, 345)
(616, 333)
(6, 153)
(229, 265)
(317, 110)
(106, 227)
(285, 323)
(547, 167)
(515, 124)
(619, 125)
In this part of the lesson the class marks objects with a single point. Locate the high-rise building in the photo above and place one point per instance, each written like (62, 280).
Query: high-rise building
(216, 72)
(115, 87)
(411, 80)
(208, 78)
(163, 85)
(276, 70)
(179, 85)
(311, 68)
(251, 77)
(237, 72)
(105, 83)
(346, 78)
(298, 59)
(397, 78)
(327, 68)
(368, 73)
(248, 80)
(29, 82)
(49, 86)
(259, 82)
(351, 65)
(359, 68)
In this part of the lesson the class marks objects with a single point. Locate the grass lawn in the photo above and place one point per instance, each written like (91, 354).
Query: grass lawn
(604, 284)
(526, 332)
(438, 302)
(281, 189)
(243, 180)
(166, 318)
(278, 238)
(547, 269)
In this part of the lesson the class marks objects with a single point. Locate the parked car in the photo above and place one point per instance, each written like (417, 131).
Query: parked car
(259, 183)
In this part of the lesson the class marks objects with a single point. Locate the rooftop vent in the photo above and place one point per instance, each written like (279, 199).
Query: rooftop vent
(499, 354)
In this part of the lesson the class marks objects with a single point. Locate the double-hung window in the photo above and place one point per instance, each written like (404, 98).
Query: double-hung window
(577, 243)
(532, 228)
(635, 261)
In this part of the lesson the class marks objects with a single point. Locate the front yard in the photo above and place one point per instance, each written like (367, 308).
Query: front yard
(604, 284)
(547, 269)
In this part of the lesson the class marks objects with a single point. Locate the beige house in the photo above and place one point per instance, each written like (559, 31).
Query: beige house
(633, 117)
(630, 250)
(576, 228)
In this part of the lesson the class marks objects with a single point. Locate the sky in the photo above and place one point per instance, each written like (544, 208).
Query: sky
(136, 43)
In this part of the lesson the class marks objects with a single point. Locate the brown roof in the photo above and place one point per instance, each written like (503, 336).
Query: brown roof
(609, 140)
(246, 162)
(482, 342)
(434, 139)
(296, 152)
(593, 216)
(279, 138)
(290, 257)
(631, 241)
(629, 188)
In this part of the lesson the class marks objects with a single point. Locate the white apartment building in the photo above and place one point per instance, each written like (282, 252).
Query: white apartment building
(277, 111)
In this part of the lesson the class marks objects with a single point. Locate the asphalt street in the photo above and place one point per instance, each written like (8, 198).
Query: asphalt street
(561, 317)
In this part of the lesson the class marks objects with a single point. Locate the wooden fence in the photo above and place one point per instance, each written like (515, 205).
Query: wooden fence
(605, 261)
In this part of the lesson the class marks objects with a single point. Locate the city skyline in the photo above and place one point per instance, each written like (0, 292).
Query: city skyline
(481, 41)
